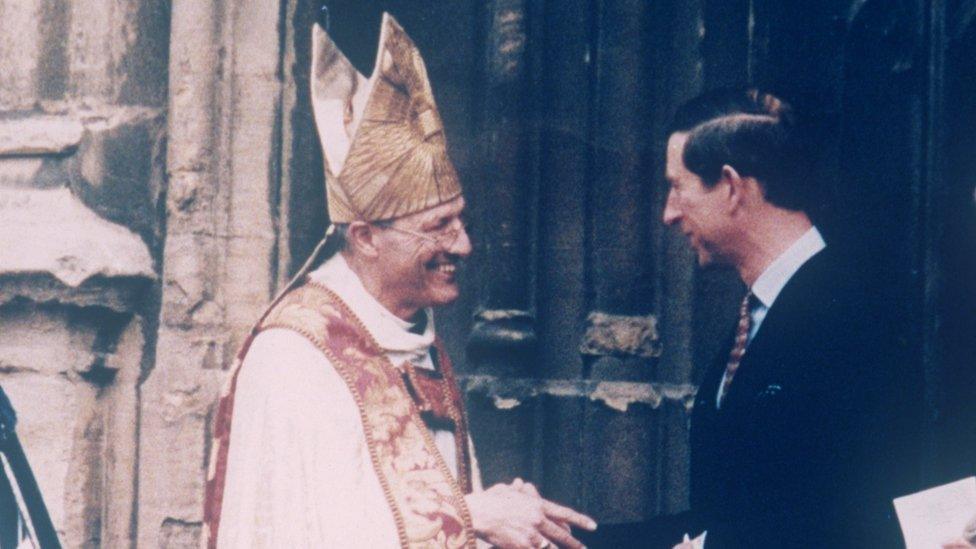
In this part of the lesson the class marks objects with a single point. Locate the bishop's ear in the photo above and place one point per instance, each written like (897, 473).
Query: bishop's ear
(361, 238)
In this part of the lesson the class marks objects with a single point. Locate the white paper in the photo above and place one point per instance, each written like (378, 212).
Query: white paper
(932, 517)
(697, 543)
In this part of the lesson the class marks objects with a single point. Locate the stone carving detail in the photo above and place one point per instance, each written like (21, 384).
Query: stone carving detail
(620, 335)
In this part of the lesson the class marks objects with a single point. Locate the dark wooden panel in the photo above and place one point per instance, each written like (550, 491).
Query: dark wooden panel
(877, 202)
(673, 447)
(564, 100)
(622, 253)
(506, 148)
(503, 338)
(562, 450)
(676, 71)
(725, 46)
(621, 462)
(306, 210)
(504, 438)
(952, 317)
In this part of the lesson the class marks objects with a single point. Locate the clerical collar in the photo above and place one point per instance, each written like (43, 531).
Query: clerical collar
(418, 324)
(392, 333)
(771, 282)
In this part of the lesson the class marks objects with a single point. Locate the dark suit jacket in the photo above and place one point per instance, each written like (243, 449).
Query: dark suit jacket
(804, 451)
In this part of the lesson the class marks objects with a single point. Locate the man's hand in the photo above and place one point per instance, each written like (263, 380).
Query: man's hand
(529, 488)
(514, 516)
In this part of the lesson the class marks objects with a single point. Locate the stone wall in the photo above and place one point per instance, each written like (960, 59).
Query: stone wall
(82, 119)
(138, 200)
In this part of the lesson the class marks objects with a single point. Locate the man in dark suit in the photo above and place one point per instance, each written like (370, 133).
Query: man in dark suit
(792, 433)
(793, 429)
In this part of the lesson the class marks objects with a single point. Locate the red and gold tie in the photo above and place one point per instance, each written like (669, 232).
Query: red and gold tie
(739, 348)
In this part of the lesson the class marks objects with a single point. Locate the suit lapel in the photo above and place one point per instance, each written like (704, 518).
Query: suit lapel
(708, 388)
(763, 362)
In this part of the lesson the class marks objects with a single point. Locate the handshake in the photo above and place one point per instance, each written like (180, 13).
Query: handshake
(515, 516)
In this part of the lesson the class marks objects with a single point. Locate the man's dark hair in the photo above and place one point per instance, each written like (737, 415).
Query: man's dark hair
(752, 131)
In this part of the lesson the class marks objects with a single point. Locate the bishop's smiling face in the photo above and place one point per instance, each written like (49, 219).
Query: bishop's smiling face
(419, 255)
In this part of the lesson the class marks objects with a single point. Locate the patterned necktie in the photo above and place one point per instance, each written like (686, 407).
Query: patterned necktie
(739, 348)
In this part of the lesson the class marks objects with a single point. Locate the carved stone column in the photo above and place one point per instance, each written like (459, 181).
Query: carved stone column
(219, 259)
(82, 96)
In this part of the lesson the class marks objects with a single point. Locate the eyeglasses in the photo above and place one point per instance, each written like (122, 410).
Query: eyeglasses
(444, 238)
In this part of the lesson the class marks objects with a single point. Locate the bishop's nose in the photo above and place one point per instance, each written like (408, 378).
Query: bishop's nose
(462, 244)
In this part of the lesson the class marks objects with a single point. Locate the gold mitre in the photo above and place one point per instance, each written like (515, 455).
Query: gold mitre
(382, 139)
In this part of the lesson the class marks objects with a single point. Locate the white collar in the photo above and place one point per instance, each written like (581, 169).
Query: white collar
(771, 282)
(391, 332)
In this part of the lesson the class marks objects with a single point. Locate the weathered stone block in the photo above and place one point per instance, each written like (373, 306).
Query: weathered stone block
(55, 438)
(120, 415)
(179, 534)
(175, 417)
(20, 172)
(20, 38)
(45, 341)
(119, 294)
(80, 437)
(51, 231)
(621, 335)
(117, 171)
(39, 135)
(189, 282)
(503, 341)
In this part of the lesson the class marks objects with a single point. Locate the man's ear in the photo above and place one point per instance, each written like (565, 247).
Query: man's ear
(361, 236)
(735, 185)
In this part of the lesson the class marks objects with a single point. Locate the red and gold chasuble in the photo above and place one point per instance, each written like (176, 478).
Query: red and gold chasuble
(427, 502)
